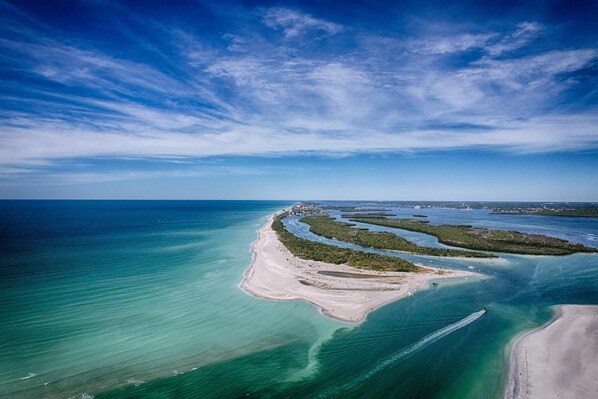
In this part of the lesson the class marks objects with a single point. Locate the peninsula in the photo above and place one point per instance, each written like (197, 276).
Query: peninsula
(287, 267)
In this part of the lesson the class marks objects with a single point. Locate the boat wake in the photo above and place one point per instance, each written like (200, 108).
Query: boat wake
(30, 375)
(404, 353)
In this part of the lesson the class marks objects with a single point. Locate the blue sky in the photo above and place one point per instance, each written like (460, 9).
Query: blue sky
(407, 100)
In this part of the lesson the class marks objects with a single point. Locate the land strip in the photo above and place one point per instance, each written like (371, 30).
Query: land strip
(330, 228)
(311, 250)
(482, 239)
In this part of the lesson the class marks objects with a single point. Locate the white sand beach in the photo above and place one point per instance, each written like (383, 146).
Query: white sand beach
(558, 360)
(338, 291)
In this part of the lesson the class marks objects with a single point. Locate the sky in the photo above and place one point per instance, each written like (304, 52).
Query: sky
(403, 100)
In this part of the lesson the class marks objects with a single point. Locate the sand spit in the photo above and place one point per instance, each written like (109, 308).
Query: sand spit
(557, 360)
(338, 291)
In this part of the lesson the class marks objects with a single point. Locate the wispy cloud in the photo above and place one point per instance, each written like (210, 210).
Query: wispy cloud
(253, 93)
(443, 45)
(523, 34)
(295, 23)
(492, 43)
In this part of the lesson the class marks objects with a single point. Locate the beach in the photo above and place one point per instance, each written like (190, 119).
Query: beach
(339, 291)
(557, 360)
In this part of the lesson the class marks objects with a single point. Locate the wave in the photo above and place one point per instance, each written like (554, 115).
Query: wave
(590, 237)
(403, 353)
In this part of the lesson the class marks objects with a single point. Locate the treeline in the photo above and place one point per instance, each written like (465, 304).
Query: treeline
(311, 250)
(485, 239)
(582, 213)
(367, 215)
(330, 228)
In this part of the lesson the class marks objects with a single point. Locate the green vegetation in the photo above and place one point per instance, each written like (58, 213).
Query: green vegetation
(419, 216)
(327, 227)
(312, 250)
(356, 208)
(367, 215)
(484, 239)
(582, 213)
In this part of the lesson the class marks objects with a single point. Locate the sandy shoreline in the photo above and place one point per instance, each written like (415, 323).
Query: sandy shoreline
(557, 360)
(338, 291)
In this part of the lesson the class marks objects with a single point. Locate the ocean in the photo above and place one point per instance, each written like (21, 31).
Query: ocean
(140, 299)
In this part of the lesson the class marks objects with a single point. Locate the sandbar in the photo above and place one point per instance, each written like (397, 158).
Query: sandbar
(558, 360)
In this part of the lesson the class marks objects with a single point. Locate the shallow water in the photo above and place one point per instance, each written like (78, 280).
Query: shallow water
(140, 299)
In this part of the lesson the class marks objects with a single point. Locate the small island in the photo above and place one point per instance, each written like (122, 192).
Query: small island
(330, 228)
(476, 238)
(356, 208)
(366, 215)
(581, 212)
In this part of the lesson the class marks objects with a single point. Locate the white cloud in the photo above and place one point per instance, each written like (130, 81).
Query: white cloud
(525, 32)
(508, 89)
(54, 142)
(533, 70)
(493, 43)
(443, 45)
(294, 23)
(381, 96)
(236, 42)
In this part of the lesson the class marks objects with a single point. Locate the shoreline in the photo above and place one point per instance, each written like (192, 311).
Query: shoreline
(340, 292)
(558, 358)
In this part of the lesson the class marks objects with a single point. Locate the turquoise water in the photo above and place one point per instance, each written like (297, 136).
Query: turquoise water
(140, 299)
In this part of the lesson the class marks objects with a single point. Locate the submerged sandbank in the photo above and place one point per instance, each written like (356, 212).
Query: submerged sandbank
(557, 360)
(278, 275)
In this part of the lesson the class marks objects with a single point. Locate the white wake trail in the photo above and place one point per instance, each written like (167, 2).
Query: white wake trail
(404, 353)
